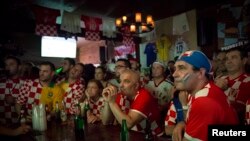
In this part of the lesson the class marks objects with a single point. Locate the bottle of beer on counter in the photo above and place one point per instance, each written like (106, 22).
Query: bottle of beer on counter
(63, 113)
(148, 132)
(79, 122)
(57, 112)
(124, 135)
(47, 111)
(86, 108)
(22, 116)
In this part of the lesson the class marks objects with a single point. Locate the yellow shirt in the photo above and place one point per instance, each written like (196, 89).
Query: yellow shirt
(163, 45)
(64, 85)
(50, 95)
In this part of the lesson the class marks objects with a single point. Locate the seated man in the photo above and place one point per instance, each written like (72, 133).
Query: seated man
(74, 88)
(133, 103)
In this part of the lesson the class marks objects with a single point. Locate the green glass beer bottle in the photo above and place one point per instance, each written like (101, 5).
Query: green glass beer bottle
(148, 132)
(79, 122)
(124, 135)
(58, 70)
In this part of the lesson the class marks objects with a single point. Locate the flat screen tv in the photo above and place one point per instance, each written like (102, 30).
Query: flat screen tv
(58, 47)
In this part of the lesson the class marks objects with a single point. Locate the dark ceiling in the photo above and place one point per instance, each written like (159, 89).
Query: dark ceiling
(17, 14)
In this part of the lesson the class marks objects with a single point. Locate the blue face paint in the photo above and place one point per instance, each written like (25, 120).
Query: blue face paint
(185, 78)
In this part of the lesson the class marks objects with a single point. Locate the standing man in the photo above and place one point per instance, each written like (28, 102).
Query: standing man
(132, 103)
(41, 90)
(9, 90)
(237, 83)
(209, 104)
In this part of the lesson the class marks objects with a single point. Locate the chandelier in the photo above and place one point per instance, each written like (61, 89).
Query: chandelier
(134, 24)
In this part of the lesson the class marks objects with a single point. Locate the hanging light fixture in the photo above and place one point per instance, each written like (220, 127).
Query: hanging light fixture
(135, 24)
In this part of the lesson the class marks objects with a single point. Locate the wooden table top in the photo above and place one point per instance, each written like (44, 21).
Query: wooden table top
(92, 132)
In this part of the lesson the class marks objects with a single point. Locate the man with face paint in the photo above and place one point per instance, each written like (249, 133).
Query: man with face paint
(209, 104)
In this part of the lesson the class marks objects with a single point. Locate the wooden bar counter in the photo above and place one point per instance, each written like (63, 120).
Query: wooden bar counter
(92, 132)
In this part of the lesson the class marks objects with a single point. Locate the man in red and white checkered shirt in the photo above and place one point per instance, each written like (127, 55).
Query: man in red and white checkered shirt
(40, 90)
(141, 104)
(74, 88)
(236, 84)
(9, 90)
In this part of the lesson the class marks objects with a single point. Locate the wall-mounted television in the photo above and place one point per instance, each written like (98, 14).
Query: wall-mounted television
(58, 47)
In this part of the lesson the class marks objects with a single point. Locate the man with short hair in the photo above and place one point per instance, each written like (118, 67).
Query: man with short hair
(120, 65)
(135, 65)
(237, 83)
(209, 104)
(41, 90)
(67, 64)
(74, 88)
(133, 103)
(9, 90)
(220, 69)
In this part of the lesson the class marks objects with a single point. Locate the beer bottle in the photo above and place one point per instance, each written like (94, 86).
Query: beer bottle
(48, 115)
(124, 135)
(86, 108)
(79, 122)
(22, 116)
(63, 113)
(148, 132)
(57, 112)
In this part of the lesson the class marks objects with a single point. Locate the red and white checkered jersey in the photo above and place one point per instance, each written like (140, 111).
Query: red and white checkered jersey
(202, 113)
(60, 79)
(145, 105)
(30, 94)
(238, 93)
(9, 87)
(96, 106)
(248, 112)
(171, 116)
(73, 94)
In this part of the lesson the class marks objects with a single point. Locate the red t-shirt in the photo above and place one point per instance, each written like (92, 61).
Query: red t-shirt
(145, 105)
(208, 107)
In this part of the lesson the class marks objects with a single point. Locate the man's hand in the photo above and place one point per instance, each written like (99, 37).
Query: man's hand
(23, 129)
(92, 118)
(221, 82)
(178, 131)
(109, 93)
(183, 97)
